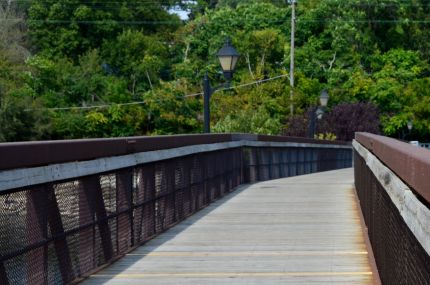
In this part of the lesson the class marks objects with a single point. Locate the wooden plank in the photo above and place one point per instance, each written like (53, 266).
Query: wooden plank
(297, 230)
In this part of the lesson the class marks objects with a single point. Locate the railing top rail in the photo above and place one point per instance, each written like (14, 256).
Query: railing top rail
(30, 154)
(409, 162)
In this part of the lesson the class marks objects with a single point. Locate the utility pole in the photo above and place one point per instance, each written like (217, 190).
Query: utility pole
(293, 28)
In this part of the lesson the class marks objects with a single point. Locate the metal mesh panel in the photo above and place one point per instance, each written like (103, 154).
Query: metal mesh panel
(400, 258)
(58, 232)
(13, 209)
(271, 163)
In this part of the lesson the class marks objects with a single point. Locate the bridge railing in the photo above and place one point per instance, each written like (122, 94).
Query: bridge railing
(392, 182)
(68, 208)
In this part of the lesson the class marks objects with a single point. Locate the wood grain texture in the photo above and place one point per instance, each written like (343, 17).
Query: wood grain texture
(299, 230)
(415, 214)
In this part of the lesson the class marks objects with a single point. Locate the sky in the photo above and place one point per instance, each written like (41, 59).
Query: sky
(181, 13)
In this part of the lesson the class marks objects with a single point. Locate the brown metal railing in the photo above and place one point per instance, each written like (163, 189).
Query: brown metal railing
(61, 228)
(400, 255)
(410, 163)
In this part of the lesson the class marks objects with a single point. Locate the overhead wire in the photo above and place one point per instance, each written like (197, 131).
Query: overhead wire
(105, 5)
(144, 102)
(253, 83)
(110, 21)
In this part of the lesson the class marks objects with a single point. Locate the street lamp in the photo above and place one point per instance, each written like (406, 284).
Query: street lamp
(317, 113)
(228, 57)
(410, 125)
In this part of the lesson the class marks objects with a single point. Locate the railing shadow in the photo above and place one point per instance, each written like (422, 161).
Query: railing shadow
(162, 238)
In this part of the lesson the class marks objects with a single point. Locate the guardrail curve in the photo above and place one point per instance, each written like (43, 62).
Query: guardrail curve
(69, 207)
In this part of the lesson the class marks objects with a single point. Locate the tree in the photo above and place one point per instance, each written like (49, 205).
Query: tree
(12, 33)
(416, 108)
(257, 30)
(137, 57)
(170, 112)
(72, 27)
(297, 125)
(345, 119)
(124, 67)
(17, 123)
(257, 121)
(342, 121)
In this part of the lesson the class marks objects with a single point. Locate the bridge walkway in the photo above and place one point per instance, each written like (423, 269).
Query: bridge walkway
(299, 230)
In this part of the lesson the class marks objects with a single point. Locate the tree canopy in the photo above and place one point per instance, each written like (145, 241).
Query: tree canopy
(94, 68)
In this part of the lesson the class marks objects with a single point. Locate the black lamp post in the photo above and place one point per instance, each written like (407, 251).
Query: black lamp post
(228, 57)
(317, 113)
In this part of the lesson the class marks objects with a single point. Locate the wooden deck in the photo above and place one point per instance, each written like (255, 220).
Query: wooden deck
(299, 230)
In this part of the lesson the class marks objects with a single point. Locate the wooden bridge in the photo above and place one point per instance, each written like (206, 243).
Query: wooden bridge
(298, 230)
(214, 209)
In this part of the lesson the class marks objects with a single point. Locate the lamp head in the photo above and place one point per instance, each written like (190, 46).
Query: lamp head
(228, 57)
(324, 98)
(410, 125)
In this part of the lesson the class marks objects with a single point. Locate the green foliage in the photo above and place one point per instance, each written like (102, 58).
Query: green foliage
(249, 121)
(123, 68)
(138, 57)
(170, 112)
(416, 108)
(72, 27)
(258, 33)
(16, 122)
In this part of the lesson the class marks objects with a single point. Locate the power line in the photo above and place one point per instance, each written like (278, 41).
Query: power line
(405, 21)
(115, 4)
(89, 107)
(252, 83)
(113, 21)
(404, 2)
(194, 95)
(97, 22)
(144, 102)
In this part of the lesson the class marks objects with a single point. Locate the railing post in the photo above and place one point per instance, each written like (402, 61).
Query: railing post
(179, 177)
(124, 206)
(186, 187)
(57, 231)
(171, 189)
(94, 195)
(87, 231)
(144, 218)
(37, 231)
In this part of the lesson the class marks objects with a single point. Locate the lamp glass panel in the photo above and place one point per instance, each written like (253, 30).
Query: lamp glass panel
(234, 62)
(410, 125)
(226, 62)
(324, 100)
